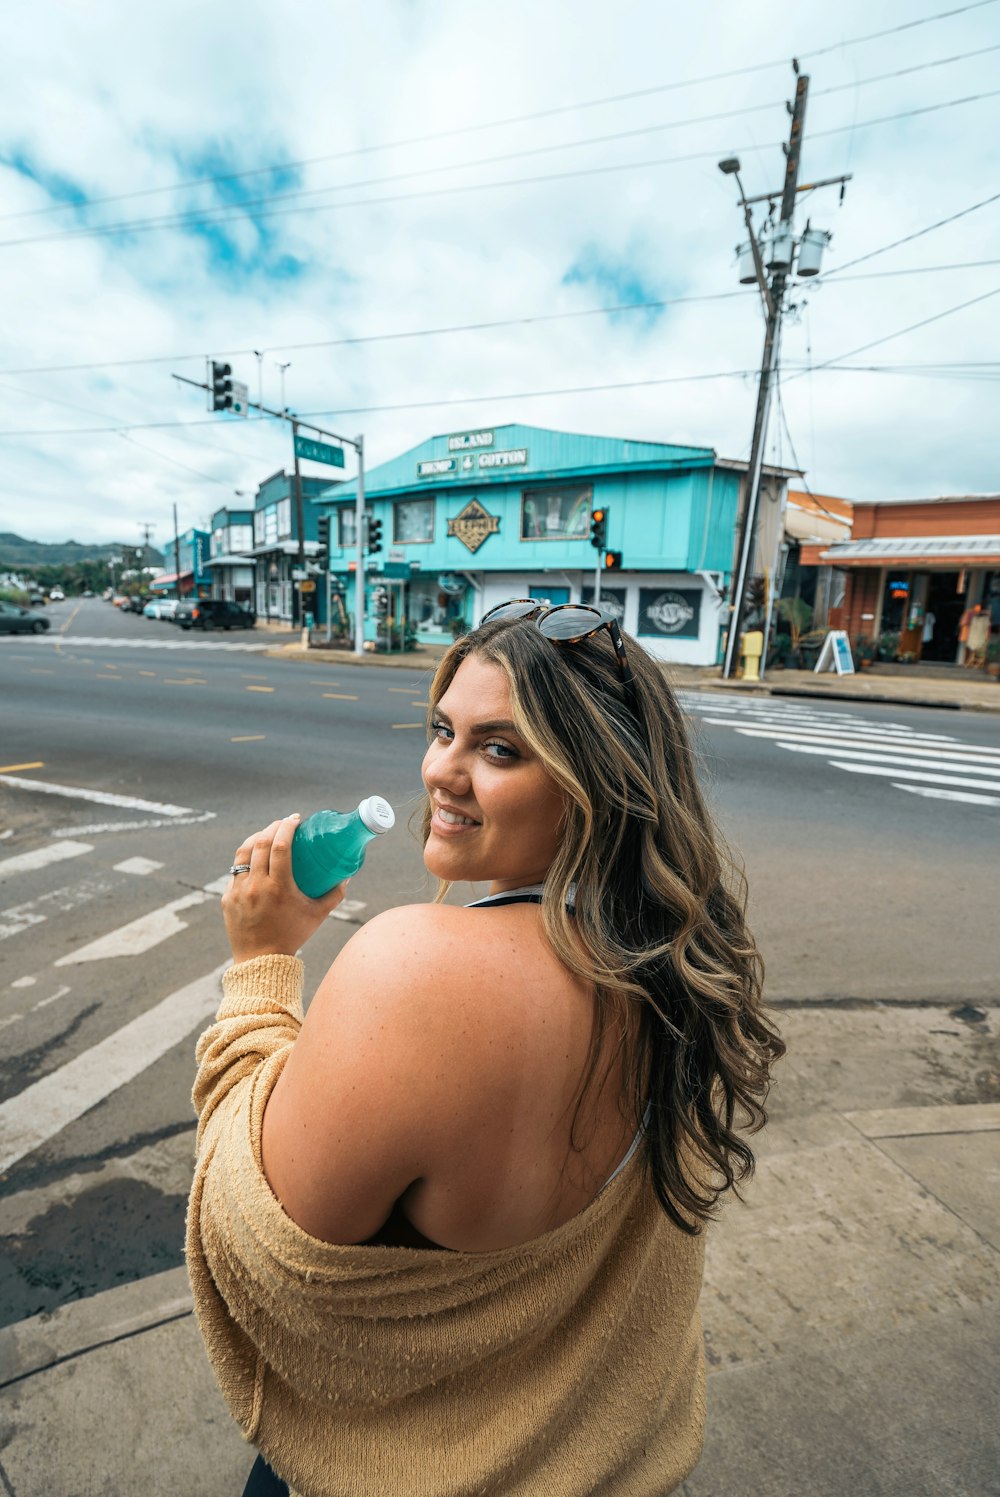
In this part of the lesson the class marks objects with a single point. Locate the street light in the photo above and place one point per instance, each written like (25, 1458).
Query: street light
(283, 367)
(730, 167)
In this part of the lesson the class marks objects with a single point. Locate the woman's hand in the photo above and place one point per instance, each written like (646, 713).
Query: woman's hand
(265, 911)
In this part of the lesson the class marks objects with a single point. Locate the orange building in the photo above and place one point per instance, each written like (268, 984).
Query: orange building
(915, 567)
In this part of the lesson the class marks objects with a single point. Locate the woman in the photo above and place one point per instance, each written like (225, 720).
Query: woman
(445, 1236)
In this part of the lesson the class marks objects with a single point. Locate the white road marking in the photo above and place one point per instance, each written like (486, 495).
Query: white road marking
(347, 909)
(41, 1111)
(9, 832)
(131, 826)
(24, 982)
(890, 770)
(17, 919)
(54, 852)
(44, 1002)
(967, 796)
(762, 727)
(89, 641)
(952, 747)
(100, 797)
(990, 767)
(138, 936)
(139, 866)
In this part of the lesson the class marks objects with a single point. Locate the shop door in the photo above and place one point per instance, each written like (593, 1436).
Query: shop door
(945, 606)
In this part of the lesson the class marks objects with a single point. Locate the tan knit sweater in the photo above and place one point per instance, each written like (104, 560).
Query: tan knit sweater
(568, 1366)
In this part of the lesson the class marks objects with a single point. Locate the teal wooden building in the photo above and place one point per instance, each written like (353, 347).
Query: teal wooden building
(471, 518)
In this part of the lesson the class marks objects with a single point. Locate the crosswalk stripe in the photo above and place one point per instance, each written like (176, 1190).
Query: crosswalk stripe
(968, 796)
(42, 857)
(141, 935)
(87, 641)
(891, 770)
(942, 761)
(48, 1106)
(833, 742)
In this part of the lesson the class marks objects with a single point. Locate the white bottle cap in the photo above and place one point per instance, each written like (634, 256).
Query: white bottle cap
(377, 814)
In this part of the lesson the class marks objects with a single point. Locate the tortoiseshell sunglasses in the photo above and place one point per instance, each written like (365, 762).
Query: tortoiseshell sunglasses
(567, 624)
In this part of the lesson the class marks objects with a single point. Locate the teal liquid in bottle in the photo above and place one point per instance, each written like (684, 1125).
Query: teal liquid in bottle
(331, 845)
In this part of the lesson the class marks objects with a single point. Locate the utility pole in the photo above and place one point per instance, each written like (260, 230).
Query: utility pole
(774, 298)
(298, 608)
(177, 558)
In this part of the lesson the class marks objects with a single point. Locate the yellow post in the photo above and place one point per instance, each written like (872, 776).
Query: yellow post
(752, 645)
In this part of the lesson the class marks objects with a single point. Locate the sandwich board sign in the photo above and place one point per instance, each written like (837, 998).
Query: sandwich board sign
(835, 654)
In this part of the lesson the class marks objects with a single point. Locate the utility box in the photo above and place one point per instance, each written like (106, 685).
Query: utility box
(814, 242)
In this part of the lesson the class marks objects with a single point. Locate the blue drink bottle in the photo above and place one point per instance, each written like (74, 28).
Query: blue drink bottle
(330, 846)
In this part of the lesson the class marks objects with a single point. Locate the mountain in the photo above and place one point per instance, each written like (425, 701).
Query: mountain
(16, 552)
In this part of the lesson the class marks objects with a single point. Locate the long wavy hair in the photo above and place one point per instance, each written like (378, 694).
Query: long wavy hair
(659, 927)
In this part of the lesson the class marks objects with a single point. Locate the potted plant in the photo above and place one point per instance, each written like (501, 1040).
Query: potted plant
(993, 659)
(888, 644)
(798, 615)
(864, 651)
(809, 647)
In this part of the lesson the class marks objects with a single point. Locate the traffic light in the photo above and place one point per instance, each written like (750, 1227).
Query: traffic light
(598, 528)
(612, 561)
(323, 535)
(374, 535)
(222, 387)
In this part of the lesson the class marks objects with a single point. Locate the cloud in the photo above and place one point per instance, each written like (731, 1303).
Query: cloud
(408, 229)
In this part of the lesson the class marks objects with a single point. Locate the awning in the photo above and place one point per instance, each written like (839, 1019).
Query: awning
(169, 579)
(940, 551)
(230, 561)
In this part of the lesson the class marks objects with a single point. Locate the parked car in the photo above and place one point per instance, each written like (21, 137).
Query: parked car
(213, 613)
(87, 593)
(37, 599)
(133, 604)
(16, 620)
(57, 595)
(160, 608)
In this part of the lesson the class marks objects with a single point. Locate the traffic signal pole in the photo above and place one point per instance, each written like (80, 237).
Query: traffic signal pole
(358, 444)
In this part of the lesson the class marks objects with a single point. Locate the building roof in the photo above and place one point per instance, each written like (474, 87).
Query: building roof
(954, 550)
(496, 454)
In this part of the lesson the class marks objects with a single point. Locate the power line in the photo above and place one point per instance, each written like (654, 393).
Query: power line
(528, 320)
(216, 217)
(908, 238)
(533, 115)
(888, 338)
(198, 216)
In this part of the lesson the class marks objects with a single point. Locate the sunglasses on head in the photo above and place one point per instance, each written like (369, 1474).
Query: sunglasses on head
(567, 624)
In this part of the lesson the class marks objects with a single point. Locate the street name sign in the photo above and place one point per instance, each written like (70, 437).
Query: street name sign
(319, 452)
(835, 654)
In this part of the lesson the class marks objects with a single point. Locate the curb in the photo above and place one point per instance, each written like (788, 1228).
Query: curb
(337, 658)
(880, 699)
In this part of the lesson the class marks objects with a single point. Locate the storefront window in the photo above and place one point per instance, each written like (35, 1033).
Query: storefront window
(284, 517)
(347, 526)
(219, 541)
(258, 528)
(431, 609)
(240, 537)
(556, 514)
(413, 521)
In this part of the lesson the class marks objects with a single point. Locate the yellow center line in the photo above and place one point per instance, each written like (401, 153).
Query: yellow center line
(249, 676)
(420, 704)
(76, 610)
(259, 688)
(248, 738)
(407, 725)
(324, 683)
(404, 689)
(147, 673)
(14, 768)
(187, 681)
(39, 670)
(340, 696)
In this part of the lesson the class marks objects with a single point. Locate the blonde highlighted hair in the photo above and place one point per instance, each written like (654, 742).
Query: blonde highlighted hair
(659, 926)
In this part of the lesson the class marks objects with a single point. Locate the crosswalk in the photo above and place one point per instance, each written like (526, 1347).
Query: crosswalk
(936, 766)
(99, 920)
(155, 642)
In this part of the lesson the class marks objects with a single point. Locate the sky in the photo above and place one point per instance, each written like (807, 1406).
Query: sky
(366, 179)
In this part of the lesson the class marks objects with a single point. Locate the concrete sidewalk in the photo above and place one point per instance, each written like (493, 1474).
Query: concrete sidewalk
(851, 1304)
(971, 691)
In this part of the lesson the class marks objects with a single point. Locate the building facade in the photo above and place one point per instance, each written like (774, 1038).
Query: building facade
(230, 561)
(187, 574)
(920, 569)
(275, 549)
(474, 517)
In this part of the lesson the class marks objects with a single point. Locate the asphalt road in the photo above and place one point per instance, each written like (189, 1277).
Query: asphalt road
(863, 890)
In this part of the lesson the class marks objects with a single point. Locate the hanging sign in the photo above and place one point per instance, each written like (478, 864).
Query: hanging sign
(835, 654)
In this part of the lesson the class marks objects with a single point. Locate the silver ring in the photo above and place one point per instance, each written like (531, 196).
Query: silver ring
(240, 868)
